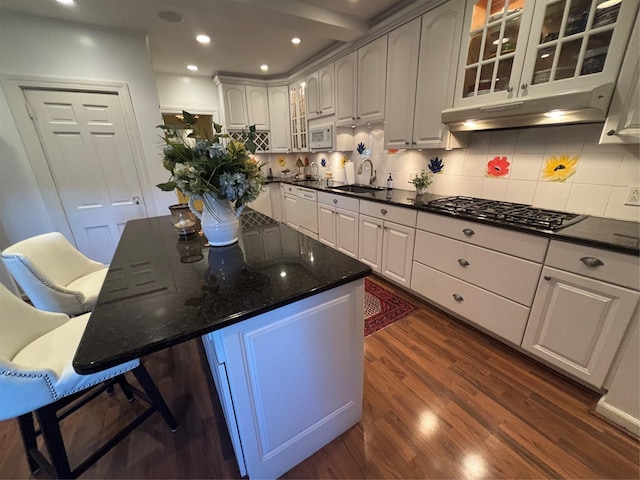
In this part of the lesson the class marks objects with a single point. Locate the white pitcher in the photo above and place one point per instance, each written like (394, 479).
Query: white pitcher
(219, 219)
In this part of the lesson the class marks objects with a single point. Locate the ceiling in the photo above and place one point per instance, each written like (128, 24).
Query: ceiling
(245, 34)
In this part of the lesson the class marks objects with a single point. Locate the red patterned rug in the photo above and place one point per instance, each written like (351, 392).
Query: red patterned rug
(382, 308)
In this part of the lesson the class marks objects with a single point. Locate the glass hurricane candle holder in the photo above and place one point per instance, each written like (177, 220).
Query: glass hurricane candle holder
(183, 219)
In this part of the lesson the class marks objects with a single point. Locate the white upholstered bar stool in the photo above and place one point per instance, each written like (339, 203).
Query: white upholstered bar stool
(54, 274)
(37, 376)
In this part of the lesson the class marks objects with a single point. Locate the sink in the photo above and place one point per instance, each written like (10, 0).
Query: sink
(358, 188)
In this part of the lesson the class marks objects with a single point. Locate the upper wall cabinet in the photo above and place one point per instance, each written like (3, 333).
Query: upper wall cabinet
(279, 119)
(320, 93)
(623, 120)
(421, 70)
(244, 105)
(298, 116)
(360, 84)
(525, 48)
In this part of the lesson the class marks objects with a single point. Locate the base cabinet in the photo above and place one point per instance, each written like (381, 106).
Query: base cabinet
(283, 397)
(577, 323)
(338, 227)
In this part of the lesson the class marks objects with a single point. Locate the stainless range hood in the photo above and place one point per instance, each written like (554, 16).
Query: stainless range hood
(576, 106)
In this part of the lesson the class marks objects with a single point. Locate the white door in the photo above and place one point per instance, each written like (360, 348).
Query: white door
(326, 225)
(87, 146)
(397, 252)
(370, 248)
(347, 232)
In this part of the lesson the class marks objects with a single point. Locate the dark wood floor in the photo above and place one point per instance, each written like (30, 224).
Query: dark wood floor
(441, 400)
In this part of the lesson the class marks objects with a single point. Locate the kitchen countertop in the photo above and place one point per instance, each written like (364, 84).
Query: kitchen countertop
(607, 233)
(162, 289)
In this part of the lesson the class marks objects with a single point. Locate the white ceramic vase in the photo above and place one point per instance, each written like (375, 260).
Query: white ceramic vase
(219, 220)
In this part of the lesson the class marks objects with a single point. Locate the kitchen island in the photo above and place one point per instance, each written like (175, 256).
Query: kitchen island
(280, 316)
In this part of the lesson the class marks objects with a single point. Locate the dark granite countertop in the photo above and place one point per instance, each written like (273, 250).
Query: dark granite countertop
(162, 289)
(606, 233)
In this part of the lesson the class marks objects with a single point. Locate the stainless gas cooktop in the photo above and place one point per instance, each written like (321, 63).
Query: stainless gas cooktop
(504, 212)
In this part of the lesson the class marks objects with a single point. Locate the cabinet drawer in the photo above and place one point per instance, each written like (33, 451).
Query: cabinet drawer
(612, 267)
(503, 240)
(505, 275)
(403, 216)
(286, 188)
(496, 314)
(339, 201)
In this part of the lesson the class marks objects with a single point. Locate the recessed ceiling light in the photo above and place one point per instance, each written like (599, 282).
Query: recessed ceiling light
(608, 3)
(545, 55)
(264, 68)
(504, 40)
(171, 16)
(193, 68)
(295, 40)
(66, 2)
(204, 39)
(469, 123)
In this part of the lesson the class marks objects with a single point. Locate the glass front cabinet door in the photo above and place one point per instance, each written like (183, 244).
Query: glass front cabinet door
(519, 48)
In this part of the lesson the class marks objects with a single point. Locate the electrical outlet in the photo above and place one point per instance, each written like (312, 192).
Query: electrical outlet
(633, 196)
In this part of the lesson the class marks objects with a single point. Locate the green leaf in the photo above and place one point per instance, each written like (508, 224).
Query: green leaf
(167, 187)
(217, 127)
(189, 119)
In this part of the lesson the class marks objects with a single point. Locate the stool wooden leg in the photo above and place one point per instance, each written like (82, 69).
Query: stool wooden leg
(28, 433)
(149, 387)
(53, 440)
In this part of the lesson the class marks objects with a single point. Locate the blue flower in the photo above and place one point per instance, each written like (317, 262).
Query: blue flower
(323, 162)
(436, 165)
(361, 148)
(216, 150)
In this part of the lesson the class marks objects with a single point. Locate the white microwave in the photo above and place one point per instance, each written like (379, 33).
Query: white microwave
(321, 138)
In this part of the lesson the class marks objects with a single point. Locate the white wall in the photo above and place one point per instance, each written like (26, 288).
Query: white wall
(60, 50)
(195, 94)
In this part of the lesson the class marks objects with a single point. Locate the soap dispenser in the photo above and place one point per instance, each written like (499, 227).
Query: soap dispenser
(389, 182)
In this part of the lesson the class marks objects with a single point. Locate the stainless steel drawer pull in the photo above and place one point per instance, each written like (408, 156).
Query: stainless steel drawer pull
(468, 232)
(463, 262)
(383, 211)
(591, 261)
(457, 297)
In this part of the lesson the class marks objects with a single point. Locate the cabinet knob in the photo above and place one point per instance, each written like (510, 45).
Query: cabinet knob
(524, 86)
(335, 200)
(591, 261)
(463, 262)
(406, 143)
(611, 133)
(353, 118)
(468, 232)
(457, 297)
(547, 277)
(383, 211)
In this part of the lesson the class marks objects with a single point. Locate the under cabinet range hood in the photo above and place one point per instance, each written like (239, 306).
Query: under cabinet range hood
(576, 106)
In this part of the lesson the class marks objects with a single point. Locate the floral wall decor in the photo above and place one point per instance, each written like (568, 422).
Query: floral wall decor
(323, 162)
(498, 167)
(361, 148)
(343, 160)
(436, 165)
(282, 161)
(558, 169)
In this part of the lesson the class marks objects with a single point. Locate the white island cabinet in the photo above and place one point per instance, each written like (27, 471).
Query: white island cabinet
(290, 380)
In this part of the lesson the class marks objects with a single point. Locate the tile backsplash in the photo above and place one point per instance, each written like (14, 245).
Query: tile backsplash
(560, 168)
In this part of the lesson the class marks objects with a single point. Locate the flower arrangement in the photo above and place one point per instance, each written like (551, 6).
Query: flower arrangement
(422, 180)
(208, 166)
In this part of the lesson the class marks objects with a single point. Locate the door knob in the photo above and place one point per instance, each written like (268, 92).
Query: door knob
(136, 199)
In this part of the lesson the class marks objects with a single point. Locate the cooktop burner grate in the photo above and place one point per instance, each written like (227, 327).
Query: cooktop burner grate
(504, 212)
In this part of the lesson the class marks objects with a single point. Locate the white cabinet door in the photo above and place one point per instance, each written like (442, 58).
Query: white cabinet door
(262, 204)
(257, 107)
(372, 79)
(326, 90)
(280, 134)
(291, 211)
(312, 95)
(346, 229)
(326, 225)
(346, 89)
(577, 323)
(370, 242)
(439, 44)
(276, 202)
(623, 120)
(235, 106)
(402, 70)
(397, 252)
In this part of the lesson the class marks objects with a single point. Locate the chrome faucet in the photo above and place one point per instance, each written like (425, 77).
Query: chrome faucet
(315, 175)
(372, 172)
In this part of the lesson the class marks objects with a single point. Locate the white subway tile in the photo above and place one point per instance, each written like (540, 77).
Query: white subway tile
(597, 169)
(475, 165)
(521, 191)
(588, 199)
(552, 195)
(471, 186)
(617, 209)
(494, 188)
(629, 171)
(531, 140)
(503, 142)
(526, 166)
(479, 142)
